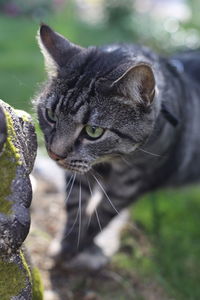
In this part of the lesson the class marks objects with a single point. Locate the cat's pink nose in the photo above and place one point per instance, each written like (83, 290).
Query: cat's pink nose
(54, 155)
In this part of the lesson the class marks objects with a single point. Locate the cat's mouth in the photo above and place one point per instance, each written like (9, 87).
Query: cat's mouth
(78, 166)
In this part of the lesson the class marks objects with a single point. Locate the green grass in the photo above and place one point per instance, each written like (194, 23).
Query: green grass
(21, 63)
(170, 221)
(20, 66)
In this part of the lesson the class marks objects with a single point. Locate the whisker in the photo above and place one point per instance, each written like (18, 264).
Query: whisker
(72, 227)
(97, 173)
(145, 151)
(68, 233)
(90, 217)
(96, 212)
(125, 160)
(79, 210)
(97, 216)
(70, 190)
(107, 197)
(69, 181)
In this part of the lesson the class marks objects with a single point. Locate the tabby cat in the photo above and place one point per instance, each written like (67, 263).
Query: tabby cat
(123, 120)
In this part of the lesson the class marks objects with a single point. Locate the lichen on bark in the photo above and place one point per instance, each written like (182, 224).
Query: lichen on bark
(9, 160)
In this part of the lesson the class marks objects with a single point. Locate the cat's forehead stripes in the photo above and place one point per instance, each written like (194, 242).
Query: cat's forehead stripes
(76, 97)
(78, 84)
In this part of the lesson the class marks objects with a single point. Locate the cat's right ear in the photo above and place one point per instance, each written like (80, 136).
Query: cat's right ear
(57, 50)
(137, 83)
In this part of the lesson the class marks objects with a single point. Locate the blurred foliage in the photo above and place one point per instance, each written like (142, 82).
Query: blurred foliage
(34, 8)
(21, 64)
(164, 247)
(164, 33)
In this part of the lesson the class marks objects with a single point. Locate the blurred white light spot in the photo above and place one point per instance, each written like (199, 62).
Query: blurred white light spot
(178, 38)
(143, 6)
(177, 9)
(90, 11)
(111, 48)
(193, 39)
(171, 25)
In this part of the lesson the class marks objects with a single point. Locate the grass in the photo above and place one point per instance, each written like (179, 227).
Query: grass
(20, 66)
(170, 221)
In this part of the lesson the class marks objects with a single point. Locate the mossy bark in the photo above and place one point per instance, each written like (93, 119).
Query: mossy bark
(17, 154)
(9, 160)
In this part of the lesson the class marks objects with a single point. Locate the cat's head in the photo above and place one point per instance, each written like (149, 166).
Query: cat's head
(97, 104)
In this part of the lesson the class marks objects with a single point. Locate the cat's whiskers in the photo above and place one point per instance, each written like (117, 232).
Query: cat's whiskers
(72, 227)
(96, 213)
(97, 172)
(125, 160)
(98, 220)
(79, 213)
(69, 181)
(106, 195)
(90, 217)
(150, 153)
(71, 187)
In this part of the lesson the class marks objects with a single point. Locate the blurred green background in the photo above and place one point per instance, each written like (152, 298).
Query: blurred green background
(164, 25)
(169, 219)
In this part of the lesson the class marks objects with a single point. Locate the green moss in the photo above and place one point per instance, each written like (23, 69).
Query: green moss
(37, 285)
(34, 277)
(25, 265)
(9, 160)
(12, 280)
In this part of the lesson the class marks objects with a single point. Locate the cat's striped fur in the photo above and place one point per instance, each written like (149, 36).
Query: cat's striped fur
(122, 89)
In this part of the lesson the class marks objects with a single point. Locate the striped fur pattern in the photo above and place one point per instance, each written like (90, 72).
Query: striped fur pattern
(120, 89)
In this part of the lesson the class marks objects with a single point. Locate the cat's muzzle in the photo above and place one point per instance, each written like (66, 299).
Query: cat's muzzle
(75, 166)
(79, 166)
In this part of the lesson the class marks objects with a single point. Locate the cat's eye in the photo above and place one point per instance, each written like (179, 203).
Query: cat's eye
(93, 132)
(50, 115)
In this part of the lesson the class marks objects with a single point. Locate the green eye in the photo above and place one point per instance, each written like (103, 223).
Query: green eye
(50, 115)
(93, 131)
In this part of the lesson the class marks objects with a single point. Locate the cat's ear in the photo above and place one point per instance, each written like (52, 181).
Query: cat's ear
(57, 50)
(137, 83)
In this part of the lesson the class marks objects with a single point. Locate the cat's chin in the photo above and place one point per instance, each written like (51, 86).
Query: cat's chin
(80, 168)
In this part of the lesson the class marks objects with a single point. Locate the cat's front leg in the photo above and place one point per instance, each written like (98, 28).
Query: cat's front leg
(117, 194)
(118, 191)
(76, 202)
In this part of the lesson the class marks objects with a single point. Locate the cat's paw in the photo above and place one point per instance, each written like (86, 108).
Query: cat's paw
(60, 253)
(91, 259)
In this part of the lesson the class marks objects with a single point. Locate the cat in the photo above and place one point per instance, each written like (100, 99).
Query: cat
(123, 120)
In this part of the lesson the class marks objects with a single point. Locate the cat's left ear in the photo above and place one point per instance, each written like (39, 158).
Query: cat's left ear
(137, 83)
(57, 50)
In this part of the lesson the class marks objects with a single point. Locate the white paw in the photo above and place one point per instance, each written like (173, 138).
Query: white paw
(91, 259)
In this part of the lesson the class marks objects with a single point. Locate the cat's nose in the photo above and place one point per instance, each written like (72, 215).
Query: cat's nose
(54, 155)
